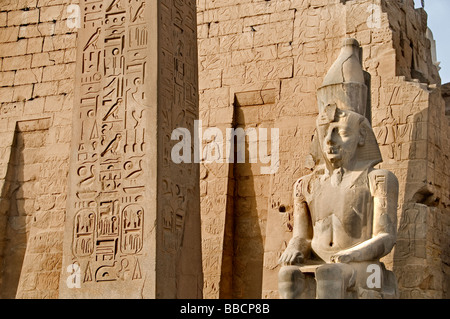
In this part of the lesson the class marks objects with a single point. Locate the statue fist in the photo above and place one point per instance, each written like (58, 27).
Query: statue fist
(291, 257)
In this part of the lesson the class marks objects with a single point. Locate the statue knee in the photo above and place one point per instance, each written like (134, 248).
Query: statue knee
(333, 280)
(329, 272)
(290, 282)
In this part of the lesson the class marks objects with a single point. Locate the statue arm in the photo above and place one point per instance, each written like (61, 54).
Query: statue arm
(384, 188)
(299, 246)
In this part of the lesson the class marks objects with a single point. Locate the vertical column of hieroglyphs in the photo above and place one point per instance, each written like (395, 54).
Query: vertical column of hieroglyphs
(178, 184)
(127, 221)
(106, 211)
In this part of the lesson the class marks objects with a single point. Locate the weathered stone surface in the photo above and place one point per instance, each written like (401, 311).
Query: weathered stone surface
(132, 224)
(311, 32)
(284, 47)
(446, 96)
(37, 83)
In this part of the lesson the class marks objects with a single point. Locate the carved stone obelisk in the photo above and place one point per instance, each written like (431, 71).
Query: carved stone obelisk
(132, 220)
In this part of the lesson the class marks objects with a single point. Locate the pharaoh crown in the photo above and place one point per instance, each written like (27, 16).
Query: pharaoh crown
(345, 84)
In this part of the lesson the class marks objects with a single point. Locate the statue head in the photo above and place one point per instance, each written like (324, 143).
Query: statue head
(344, 137)
(340, 133)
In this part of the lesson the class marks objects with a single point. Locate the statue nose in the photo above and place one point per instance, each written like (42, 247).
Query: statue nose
(329, 137)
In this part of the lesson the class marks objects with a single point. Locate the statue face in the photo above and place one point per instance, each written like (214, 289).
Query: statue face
(340, 135)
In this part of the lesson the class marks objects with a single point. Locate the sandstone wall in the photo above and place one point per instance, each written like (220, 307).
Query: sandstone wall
(413, 135)
(37, 59)
(285, 47)
(446, 95)
(260, 63)
(37, 85)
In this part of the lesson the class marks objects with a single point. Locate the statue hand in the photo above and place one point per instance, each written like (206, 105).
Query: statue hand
(291, 256)
(345, 257)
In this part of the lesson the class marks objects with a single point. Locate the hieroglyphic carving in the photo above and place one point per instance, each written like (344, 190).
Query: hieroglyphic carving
(136, 81)
(173, 215)
(83, 242)
(178, 109)
(109, 217)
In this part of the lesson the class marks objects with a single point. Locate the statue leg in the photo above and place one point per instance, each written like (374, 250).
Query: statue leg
(333, 281)
(291, 282)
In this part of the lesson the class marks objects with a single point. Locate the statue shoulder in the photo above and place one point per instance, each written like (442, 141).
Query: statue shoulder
(382, 182)
(301, 186)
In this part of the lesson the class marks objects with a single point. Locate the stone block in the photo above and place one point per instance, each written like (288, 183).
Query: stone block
(208, 46)
(10, 34)
(221, 115)
(7, 78)
(226, 27)
(70, 55)
(59, 42)
(277, 32)
(34, 106)
(256, 20)
(45, 89)
(213, 98)
(34, 45)
(3, 18)
(53, 103)
(210, 79)
(58, 72)
(52, 13)
(202, 31)
(6, 94)
(65, 87)
(19, 5)
(13, 49)
(28, 76)
(234, 75)
(17, 63)
(233, 42)
(34, 125)
(22, 92)
(23, 17)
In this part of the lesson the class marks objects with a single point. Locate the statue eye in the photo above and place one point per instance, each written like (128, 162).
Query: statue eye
(343, 132)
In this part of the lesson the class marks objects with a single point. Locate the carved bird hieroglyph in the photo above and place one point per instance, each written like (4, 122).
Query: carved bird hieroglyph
(113, 3)
(93, 40)
(139, 12)
(113, 145)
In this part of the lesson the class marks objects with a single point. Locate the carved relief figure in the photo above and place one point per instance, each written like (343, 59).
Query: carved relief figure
(345, 211)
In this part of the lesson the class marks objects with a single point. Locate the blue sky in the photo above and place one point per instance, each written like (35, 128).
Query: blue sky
(438, 21)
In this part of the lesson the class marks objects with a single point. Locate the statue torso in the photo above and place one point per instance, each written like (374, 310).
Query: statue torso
(341, 214)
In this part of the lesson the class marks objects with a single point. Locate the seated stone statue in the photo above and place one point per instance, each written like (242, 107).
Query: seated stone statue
(345, 212)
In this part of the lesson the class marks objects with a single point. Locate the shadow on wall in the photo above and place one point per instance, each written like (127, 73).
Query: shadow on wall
(246, 217)
(25, 254)
(18, 198)
(248, 245)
